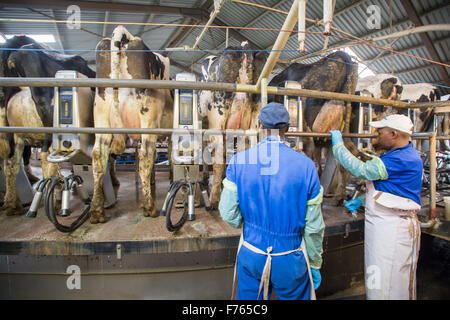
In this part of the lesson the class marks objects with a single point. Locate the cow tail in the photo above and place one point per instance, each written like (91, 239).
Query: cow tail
(348, 87)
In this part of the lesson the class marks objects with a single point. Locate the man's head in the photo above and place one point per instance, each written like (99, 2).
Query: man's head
(274, 116)
(393, 131)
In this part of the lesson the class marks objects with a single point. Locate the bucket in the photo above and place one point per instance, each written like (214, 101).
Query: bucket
(447, 208)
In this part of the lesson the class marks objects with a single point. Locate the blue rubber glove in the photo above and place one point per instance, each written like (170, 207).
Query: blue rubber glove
(354, 204)
(336, 137)
(317, 279)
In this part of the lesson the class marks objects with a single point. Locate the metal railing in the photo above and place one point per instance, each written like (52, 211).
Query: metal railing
(228, 87)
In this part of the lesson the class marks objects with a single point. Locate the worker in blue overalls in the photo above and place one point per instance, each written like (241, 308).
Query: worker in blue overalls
(391, 230)
(275, 192)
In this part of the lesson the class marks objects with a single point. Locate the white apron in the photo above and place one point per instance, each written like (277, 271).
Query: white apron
(391, 246)
(265, 278)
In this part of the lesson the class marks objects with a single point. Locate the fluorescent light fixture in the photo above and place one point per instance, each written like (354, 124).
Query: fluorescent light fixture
(47, 38)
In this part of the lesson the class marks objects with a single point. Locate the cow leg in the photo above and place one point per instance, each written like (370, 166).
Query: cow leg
(147, 155)
(218, 169)
(112, 171)
(26, 164)
(49, 169)
(11, 203)
(4, 141)
(100, 155)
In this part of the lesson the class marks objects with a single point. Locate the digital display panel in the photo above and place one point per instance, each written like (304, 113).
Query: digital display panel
(65, 109)
(186, 101)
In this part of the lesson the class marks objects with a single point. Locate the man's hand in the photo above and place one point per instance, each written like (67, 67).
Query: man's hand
(354, 204)
(336, 137)
(317, 279)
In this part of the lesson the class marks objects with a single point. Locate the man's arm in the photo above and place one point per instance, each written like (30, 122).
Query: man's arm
(229, 204)
(314, 230)
(370, 170)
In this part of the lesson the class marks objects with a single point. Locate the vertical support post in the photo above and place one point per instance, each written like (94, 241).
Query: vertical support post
(328, 8)
(327, 15)
(282, 38)
(432, 154)
(301, 25)
(226, 37)
(264, 98)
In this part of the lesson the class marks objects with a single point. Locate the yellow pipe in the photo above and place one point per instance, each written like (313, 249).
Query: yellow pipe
(433, 176)
(282, 38)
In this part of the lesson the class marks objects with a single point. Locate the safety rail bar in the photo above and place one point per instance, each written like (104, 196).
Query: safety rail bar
(210, 86)
(167, 131)
(420, 135)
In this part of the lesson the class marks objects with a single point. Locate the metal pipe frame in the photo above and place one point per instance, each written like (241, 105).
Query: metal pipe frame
(170, 84)
(212, 86)
(432, 153)
(167, 131)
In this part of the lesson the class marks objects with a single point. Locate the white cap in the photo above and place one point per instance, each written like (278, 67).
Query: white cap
(395, 121)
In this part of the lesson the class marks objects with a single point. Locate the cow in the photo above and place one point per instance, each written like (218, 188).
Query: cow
(380, 86)
(125, 56)
(6, 49)
(334, 73)
(29, 107)
(229, 110)
(422, 92)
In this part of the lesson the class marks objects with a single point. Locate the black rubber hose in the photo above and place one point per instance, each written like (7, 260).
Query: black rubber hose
(173, 189)
(50, 208)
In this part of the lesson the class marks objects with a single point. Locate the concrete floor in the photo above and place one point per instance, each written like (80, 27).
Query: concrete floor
(127, 223)
(125, 219)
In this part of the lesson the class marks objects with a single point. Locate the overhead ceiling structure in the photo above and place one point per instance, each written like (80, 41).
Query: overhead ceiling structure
(162, 24)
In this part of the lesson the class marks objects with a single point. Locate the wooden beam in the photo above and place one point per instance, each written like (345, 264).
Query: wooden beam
(414, 17)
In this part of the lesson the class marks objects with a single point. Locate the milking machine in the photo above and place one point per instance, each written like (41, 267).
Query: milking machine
(186, 158)
(364, 117)
(294, 106)
(72, 109)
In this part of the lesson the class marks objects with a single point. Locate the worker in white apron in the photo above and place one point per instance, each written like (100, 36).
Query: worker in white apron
(392, 230)
(275, 192)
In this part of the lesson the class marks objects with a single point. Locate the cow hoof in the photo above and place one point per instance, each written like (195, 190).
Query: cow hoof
(214, 205)
(95, 220)
(97, 217)
(151, 213)
(11, 211)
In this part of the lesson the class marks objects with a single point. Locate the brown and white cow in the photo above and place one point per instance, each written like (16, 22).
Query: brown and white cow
(127, 57)
(29, 106)
(229, 110)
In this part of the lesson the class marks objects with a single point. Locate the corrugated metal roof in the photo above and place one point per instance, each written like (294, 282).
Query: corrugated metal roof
(350, 16)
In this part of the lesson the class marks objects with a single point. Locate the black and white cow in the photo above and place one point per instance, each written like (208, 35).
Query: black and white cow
(334, 73)
(127, 57)
(229, 110)
(29, 106)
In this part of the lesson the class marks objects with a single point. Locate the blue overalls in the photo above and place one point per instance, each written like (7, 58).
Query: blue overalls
(274, 183)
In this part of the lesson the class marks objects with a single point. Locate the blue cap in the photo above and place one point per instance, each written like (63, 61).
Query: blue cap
(274, 116)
